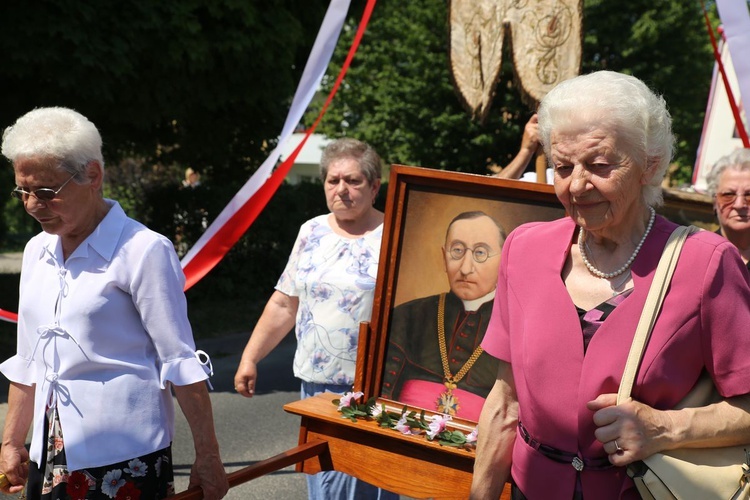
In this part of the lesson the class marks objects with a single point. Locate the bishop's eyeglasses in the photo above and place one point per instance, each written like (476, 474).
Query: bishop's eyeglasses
(479, 253)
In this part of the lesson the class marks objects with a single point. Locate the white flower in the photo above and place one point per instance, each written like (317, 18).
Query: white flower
(136, 468)
(376, 410)
(472, 436)
(112, 482)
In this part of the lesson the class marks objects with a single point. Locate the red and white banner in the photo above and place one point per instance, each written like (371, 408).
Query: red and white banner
(725, 123)
(217, 240)
(244, 208)
(736, 21)
(252, 198)
(8, 316)
(720, 135)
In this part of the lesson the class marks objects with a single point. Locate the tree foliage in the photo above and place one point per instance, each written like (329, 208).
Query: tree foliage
(665, 43)
(398, 94)
(169, 84)
(200, 82)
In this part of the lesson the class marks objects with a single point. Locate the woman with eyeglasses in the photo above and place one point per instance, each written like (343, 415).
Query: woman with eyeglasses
(103, 334)
(574, 290)
(729, 184)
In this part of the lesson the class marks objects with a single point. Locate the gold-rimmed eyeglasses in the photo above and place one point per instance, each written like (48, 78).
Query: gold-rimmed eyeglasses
(41, 194)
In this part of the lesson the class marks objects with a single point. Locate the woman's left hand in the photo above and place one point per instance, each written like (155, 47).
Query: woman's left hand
(630, 431)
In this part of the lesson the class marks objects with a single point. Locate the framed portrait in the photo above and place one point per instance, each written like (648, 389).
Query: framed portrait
(440, 253)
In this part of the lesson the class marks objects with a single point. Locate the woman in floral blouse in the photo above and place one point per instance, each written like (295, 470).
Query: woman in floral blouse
(325, 291)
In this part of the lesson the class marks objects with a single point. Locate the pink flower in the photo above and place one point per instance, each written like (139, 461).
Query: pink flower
(437, 425)
(348, 398)
(59, 476)
(402, 426)
(472, 436)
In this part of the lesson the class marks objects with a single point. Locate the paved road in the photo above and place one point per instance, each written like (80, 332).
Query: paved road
(249, 430)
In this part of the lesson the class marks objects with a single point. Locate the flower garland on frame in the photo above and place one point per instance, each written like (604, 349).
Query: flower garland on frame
(407, 422)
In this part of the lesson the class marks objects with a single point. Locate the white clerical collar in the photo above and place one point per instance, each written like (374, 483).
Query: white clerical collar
(473, 305)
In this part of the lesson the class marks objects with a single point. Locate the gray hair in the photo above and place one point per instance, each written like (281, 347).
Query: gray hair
(59, 133)
(625, 105)
(738, 159)
(368, 160)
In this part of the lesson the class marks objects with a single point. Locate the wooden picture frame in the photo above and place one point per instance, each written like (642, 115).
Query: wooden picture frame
(422, 203)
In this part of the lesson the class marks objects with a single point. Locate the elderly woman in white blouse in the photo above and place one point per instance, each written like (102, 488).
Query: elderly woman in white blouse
(103, 334)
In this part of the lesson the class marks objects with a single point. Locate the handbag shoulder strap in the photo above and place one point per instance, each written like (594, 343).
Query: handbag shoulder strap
(651, 309)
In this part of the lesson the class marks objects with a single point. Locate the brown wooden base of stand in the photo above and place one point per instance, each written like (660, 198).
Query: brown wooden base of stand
(285, 459)
(407, 465)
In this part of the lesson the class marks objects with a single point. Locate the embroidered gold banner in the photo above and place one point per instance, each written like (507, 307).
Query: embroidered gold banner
(545, 40)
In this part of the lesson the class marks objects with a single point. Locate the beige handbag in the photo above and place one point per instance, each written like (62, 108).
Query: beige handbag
(687, 473)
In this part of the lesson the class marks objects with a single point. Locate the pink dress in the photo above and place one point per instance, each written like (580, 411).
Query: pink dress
(536, 328)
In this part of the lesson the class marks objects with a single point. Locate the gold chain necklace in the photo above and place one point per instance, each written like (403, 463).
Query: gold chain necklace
(447, 402)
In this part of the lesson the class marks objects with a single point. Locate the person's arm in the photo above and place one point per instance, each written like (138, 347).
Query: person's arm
(496, 436)
(13, 456)
(726, 423)
(275, 323)
(529, 147)
(208, 470)
(641, 431)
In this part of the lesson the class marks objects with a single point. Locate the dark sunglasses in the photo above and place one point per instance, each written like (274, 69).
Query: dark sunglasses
(41, 194)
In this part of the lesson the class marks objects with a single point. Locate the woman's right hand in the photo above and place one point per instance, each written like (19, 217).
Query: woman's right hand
(14, 463)
(244, 379)
(630, 431)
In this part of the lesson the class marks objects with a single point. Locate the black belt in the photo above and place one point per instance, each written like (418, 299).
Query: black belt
(578, 462)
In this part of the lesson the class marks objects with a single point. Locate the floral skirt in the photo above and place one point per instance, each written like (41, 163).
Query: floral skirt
(149, 477)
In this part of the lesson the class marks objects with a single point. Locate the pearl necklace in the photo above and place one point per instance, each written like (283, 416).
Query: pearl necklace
(627, 264)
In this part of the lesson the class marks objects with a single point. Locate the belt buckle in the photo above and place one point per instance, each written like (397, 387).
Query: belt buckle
(577, 464)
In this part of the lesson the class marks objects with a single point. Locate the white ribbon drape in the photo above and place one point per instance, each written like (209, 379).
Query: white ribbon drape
(736, 21)
(312, 75)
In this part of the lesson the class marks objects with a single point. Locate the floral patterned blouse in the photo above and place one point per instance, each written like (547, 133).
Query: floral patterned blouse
(334, 279)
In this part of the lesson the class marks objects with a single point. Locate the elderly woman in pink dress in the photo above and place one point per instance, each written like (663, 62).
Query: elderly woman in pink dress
(574, 290)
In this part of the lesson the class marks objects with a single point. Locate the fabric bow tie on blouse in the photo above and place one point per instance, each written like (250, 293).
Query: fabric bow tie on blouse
(56, 390)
